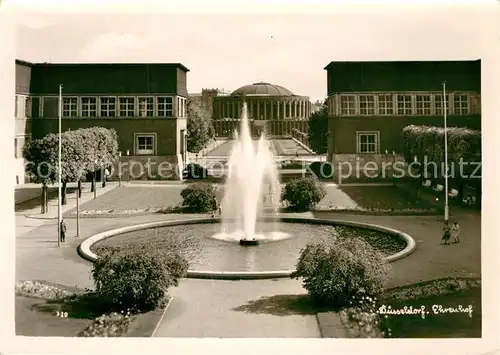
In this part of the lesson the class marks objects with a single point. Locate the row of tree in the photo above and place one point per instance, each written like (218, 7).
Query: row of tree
(84, 152)
(428, 141)
(425, 144)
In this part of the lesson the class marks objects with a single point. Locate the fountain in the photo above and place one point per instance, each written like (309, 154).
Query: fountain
(251, 168)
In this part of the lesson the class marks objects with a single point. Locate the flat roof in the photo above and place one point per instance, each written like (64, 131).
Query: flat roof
(410, 62)
(83, 64)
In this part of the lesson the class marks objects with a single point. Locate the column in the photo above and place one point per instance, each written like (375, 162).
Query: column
(277, 109)
(265, 108)
(258, 109)
(295, 109)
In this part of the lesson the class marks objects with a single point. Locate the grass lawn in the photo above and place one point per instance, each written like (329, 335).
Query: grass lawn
(383, 198)
(32, 321)
(457, 325)
(37, 201)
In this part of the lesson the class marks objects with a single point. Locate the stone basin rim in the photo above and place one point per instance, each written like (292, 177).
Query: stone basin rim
(85, 252)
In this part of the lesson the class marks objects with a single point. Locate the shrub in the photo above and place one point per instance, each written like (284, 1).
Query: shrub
(323, 170)
(195, 171)
(303, 194)
(198, 197)
(137, 280)
(339, 270)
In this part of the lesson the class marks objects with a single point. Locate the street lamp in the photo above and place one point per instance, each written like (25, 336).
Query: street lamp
(186, 135)
(119, 168)
(59, 215)
(446, 207)
(128, 166)
(94, 181)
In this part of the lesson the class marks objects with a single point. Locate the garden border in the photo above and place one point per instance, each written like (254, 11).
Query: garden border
(85, 252)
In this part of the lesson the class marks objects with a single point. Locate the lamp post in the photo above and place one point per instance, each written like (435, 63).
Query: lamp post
(128, 166)
(446, 207)
(95, 182)
(59, 171)
(184, 148)
(119, 169)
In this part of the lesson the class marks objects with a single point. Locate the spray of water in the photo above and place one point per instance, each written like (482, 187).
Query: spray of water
(252, 186)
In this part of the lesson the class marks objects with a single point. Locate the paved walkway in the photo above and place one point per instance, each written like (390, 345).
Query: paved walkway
(205, 308)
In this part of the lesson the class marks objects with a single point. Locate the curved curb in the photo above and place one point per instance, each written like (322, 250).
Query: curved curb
(161, 318)
(85, 252)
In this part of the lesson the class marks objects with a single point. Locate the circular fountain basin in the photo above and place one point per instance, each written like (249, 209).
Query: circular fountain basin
(217, 255)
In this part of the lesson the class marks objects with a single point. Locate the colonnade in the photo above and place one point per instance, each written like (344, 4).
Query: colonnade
(225, 128)
(263, 108)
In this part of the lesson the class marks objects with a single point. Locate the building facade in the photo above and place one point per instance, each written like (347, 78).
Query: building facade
(272, 109)
(144, 103)
(370, 103)
(264, 101)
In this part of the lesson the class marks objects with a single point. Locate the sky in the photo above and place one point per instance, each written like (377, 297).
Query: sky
(228, 50)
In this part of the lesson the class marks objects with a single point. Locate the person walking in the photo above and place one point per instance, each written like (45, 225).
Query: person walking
(220, 209)
(214, 207)
(446, 233)
(455, 232)
(63, 231)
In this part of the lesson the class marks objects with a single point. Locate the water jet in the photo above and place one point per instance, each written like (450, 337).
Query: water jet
(251, 168)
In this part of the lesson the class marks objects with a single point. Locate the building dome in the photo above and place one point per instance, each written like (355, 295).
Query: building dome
(262, 89)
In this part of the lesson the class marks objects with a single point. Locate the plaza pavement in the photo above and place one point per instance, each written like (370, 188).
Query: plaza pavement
(206, 308)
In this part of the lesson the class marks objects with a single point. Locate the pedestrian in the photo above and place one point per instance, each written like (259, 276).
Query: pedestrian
(446, 233)
(455, 232)
(220, 209)
(63, 231)
(214, 207)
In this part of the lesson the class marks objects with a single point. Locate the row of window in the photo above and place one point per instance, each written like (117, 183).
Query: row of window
(402, 104)
(110, 106)
(128, 106)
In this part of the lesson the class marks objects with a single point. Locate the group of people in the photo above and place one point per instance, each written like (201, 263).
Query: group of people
(452, 233)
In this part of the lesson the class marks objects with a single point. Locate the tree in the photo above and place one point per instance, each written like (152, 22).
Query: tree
(318, 130)
(82, 151)
(199, 126)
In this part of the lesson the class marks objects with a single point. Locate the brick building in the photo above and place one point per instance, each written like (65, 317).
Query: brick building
(144, 103)
(371, 102)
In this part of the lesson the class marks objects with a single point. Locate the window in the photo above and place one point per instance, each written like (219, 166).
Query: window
(145, 144)
(69, 108)
(165, 107)
(19, 144)
(347, 105)
(404, 104)
(423, 104)
(108, 107)
(438, 104)
(146, 105)
(461, 104)
(89, 107)
(20, 106)
(368, 142)
(385, 105)
(127, 106)
(366, 104)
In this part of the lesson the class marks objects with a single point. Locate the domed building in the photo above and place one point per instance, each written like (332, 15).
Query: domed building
(265, 102)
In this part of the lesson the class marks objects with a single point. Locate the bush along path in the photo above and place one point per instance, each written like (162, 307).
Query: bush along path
(130, 298)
